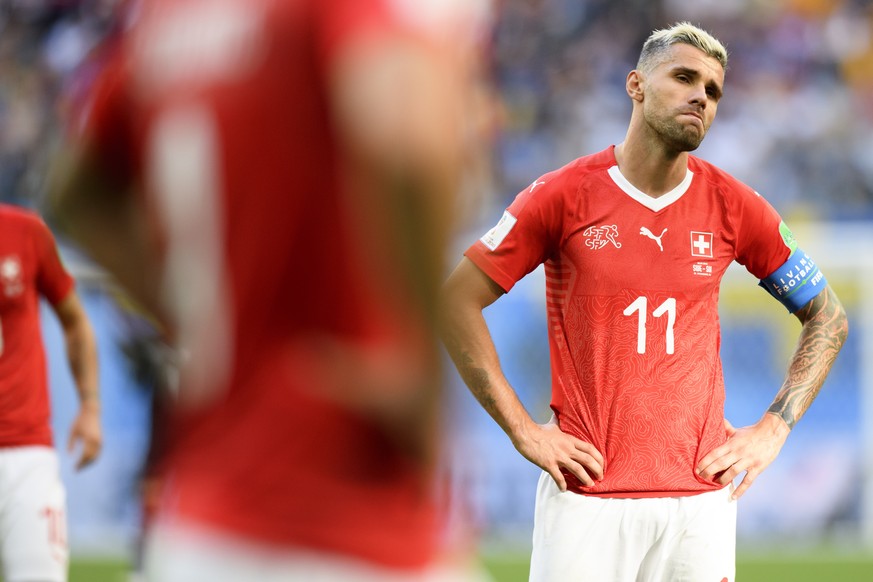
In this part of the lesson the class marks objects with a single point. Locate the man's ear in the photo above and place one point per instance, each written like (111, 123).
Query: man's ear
(634, 85)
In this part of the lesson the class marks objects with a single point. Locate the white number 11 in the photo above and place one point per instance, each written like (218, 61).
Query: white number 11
(640, 305)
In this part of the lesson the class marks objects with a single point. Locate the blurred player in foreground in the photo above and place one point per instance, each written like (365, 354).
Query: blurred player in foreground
(275, 180)
(33, 522)
(638, 462)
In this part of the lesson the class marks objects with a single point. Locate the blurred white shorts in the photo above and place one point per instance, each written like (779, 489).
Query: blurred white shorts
(192, 553)
(33, 522)
(661, 539)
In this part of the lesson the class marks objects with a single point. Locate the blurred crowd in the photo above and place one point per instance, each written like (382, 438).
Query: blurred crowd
(796, 122)
(43, 47)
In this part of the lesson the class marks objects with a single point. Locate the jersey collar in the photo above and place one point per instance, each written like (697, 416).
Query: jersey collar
(653, 204)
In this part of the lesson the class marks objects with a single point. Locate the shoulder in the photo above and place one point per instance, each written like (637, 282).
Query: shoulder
(570, 177)
(19, 216)
(24, 229)
(713, 174)
(590, 165)
(746, 212)
(730, 188)
(27, 226)
(553, 192)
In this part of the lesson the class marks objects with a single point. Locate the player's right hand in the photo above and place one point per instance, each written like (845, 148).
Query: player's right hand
(551, 449)
(86, 430)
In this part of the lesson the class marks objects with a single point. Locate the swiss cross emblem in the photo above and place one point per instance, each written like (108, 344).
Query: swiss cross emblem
(701, 244)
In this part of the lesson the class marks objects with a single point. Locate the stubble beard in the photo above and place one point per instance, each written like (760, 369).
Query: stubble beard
(675, 135)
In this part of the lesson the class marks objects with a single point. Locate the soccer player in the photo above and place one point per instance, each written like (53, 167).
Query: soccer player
(638, 461)
(275, 181)
(33, 526)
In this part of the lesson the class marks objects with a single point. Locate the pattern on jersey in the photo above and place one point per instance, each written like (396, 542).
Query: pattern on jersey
(639, 411)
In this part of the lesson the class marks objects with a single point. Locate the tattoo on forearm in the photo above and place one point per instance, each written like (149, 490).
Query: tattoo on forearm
(477, 381)
(823, 335)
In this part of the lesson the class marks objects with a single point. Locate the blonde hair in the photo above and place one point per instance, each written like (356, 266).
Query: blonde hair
(655, 47)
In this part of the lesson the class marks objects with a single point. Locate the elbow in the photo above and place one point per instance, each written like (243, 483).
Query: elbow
(447, 312)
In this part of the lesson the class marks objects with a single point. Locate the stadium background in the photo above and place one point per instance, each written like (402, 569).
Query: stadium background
(796, 123)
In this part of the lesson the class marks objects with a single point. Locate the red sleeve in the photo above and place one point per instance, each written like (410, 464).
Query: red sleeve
(760, 246)
(53, 281)
(526, 236)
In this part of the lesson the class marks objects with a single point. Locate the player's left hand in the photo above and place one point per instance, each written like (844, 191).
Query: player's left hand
(87, 431)
(750, 449)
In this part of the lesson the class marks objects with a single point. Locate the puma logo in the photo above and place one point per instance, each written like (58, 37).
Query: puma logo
(646, 232)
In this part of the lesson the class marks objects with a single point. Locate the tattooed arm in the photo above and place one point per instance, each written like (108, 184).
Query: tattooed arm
(465, 333)
(753, 448)
(825, 328)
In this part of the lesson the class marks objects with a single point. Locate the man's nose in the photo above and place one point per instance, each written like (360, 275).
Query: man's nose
(698, 95)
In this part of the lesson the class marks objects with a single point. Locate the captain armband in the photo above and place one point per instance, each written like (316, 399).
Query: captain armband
(796, 282)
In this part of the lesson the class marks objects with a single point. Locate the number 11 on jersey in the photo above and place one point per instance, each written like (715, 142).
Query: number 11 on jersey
(640, 305)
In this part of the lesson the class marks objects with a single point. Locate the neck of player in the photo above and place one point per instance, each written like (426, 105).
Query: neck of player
(652, 171)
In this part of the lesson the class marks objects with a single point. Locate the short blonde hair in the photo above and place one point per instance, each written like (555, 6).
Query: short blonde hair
(655, 47)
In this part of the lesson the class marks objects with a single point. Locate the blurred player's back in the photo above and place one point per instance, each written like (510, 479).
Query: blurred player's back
(299, 254)
(271, 455)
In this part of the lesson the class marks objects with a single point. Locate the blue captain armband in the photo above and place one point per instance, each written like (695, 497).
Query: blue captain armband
(796, 282)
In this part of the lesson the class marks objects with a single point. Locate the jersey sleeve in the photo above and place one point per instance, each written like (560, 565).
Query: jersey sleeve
(760, 246)
(527, 234)
(769, 251)
(53, 281)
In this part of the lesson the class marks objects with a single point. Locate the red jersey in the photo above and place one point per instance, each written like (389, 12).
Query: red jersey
(30, 268)
(221, 108)
(632, 286)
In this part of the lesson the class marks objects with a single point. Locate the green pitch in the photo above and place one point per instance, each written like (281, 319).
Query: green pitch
(99, 571)
(814, 565)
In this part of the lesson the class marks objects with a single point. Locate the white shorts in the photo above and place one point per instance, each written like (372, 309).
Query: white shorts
(33, 521)
(583, 538)
(192, 553)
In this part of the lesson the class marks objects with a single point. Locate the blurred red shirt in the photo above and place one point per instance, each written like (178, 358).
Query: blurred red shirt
(220, 110)
(30, 268)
